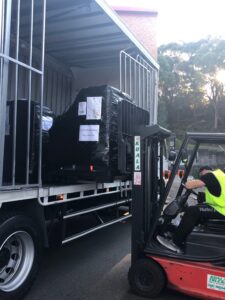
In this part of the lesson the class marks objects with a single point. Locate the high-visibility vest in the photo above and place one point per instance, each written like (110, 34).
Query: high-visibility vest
(218, 203)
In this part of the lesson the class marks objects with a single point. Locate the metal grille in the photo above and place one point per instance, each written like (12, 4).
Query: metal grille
(139, 80)
(25, 65)
(12, 64)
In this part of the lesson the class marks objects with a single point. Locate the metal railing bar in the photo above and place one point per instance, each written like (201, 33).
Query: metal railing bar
(138, 80)
(29, 92)
(121, 87)
(76, 236)
(139, 85)
(42, 93)
(156, 95)
(2, 25)
(6, 19)
(130, 78)
(153, 96)
(16, 95)
(17, 62)
(135, 82)
(125, 75)
(148, 92)
(96, 208)
(132, 58)
(2, 131)
(143, 87)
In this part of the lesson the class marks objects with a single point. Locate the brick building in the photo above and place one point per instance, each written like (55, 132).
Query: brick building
(142, 22)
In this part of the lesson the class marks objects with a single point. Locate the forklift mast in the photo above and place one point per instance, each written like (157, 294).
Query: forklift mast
(148, 183)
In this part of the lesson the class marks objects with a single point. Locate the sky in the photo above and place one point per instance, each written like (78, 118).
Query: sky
(184, 20)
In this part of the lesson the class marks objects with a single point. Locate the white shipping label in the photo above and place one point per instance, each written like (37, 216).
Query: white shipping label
(89, 133)
(137, 178)
(94, 108)
(215, 282)
(47, 123)
(82, 108)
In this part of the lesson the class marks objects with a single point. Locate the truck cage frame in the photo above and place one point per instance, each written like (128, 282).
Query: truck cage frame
(49, 50)
(25, 63)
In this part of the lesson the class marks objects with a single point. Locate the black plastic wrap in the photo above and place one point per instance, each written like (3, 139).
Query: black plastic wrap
(97, 160)
(21, 140)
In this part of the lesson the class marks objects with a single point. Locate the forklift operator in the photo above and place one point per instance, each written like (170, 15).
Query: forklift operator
(211, 206)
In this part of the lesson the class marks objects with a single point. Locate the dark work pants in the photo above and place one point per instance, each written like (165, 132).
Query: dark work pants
(193, 216)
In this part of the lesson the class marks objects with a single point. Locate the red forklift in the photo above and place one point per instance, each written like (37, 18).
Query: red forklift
(200, 270)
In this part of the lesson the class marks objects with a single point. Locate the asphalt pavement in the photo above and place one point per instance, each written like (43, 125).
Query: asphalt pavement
(93, 267)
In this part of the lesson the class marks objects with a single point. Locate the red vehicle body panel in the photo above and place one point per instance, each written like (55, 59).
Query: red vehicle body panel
(201, 280)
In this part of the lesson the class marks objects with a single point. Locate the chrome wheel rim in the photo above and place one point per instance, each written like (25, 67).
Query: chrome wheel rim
(16, 260)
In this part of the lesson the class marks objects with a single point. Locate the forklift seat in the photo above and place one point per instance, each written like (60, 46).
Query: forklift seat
(215, 224)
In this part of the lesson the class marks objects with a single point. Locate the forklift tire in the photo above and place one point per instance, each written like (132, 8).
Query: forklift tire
(20, 254)
(147, 278)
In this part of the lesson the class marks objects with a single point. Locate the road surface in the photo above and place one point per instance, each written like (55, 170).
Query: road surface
(94, 267)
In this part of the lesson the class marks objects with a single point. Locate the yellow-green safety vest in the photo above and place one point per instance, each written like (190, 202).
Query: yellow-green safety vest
(218, 203)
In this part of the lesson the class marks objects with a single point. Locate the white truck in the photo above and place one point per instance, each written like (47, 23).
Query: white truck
(49, 50)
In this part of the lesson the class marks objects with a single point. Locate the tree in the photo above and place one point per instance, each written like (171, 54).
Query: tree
(210, 58)
(188, 84)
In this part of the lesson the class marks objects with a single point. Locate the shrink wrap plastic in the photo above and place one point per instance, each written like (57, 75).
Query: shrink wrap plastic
(87, 134)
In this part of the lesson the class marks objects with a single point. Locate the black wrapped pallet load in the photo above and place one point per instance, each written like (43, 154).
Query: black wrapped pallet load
(90, 138)
(21, 140)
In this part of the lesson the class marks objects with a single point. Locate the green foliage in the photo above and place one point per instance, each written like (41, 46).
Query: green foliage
(190, 96)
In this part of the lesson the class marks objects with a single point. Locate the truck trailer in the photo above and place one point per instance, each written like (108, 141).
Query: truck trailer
(49, 51)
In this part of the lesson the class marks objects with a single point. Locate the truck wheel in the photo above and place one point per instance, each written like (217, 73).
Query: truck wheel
(147, 278)
(20, 251)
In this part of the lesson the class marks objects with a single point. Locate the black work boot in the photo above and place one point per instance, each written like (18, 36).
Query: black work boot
(169, 244)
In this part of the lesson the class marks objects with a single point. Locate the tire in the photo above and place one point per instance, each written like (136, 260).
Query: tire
(147, 278)
(20, 254)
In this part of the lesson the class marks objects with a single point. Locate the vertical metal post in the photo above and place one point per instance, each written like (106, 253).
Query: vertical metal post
(139, 86)
(152, 96)
(147, 97)
(121, 82)
(29, 91)
(42, 93)
(143, 87)
(156, 96)
(2, 23)
(2, 20)
(135, 82)
(5, 14)
(16, 95)
(130, 77)
(125, 74)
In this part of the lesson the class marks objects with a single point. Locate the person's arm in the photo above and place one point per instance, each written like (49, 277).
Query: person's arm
(194, 184)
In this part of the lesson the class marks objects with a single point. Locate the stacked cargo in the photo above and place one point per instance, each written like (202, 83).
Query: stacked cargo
(22, 139)
(90, 138)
